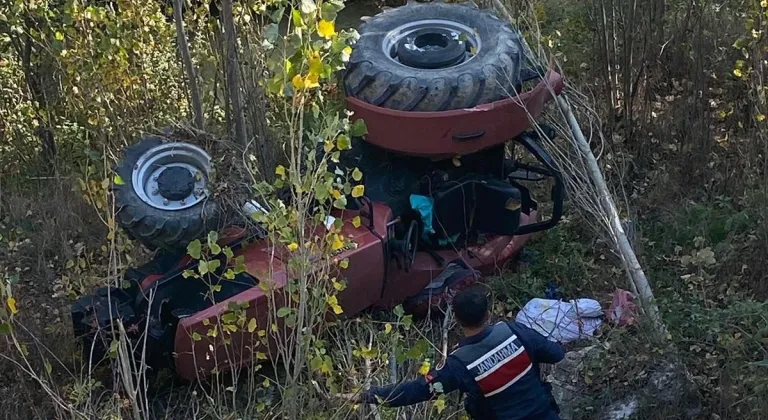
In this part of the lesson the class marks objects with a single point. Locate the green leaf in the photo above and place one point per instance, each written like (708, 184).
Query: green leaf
(213, 238)
(277, 15)
(113, 346)
(297, 20)
(229, 318)
(5, 328)
(357, 175)
(240, 266)
(271, 32)
(202, 267)
(343, 143)
(194, 248)
(196, 336)
(213, 265)
(284, 311)
(328, 12)
(358, 129)
(322, 192)
(315, 363)
(229, 274)
(340, 203)
(228, 252)
(252, 325)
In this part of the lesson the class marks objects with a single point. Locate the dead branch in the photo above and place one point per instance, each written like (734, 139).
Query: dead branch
(233, 72)
(189, 68)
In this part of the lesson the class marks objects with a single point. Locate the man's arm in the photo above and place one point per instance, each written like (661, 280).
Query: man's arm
(438, 381)
(540, 349)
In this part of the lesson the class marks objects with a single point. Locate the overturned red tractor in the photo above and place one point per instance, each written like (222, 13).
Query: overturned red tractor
(432, 81)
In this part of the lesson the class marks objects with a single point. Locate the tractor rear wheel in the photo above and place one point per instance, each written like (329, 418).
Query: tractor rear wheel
(163, 198)
(434, 57)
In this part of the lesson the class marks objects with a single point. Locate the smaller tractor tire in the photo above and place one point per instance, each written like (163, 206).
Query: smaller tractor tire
(434, 57)
(163, 200)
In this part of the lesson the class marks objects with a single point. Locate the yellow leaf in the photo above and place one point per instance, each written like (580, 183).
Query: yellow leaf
(344, 263)
(760, 117)
(293, 246)
(118, 180)
(387, 328)
(337, 243)
(311, 81)
(280, 170)
(298, 82)
(440, 405)
(334, 304)
(358, 191)
(12, 305)
(315, 64)
(336, 194)
(737, 72)
(326, 29)
(252, 325)
(424, 369)
(328, 146)
(356, 222)
(764, 3)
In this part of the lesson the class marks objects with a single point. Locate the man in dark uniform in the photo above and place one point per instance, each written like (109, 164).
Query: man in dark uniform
(497, 366)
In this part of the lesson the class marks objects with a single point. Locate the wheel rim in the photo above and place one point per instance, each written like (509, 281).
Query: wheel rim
(172, 176)
(431, 44)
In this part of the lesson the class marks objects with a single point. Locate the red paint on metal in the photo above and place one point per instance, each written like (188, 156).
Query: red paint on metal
(431, 134)
(365, 278)
(266, 262)
(151, 279)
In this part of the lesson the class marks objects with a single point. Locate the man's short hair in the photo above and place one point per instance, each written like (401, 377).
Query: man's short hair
(470, 306)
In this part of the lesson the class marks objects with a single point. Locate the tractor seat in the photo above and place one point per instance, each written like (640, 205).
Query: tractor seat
(475, 205)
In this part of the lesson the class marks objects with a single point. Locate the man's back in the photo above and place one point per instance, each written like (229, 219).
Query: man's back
(497, 366)
(501, 375)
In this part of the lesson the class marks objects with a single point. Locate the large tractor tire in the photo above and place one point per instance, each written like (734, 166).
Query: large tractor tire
(163, 200)
(434, 57)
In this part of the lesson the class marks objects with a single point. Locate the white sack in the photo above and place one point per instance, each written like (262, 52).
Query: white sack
(562, 321)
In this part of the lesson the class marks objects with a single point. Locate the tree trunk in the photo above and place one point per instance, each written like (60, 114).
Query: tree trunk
(638, 280)
(44, 130)
(232, 69)
(186, 58)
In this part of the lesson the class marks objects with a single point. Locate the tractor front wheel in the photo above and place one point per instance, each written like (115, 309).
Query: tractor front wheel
(163, 198)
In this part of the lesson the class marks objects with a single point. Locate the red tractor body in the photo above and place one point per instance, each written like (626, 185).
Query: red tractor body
(441, 192)
(372, 282)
